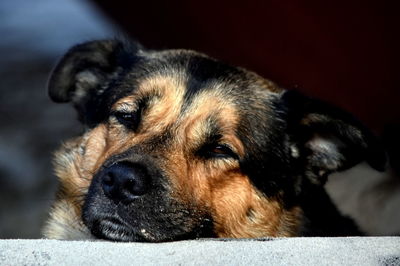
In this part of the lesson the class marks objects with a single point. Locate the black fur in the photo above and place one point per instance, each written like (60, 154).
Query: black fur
(292, 142)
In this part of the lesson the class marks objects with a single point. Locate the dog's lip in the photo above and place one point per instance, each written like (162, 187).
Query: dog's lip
(113, 229)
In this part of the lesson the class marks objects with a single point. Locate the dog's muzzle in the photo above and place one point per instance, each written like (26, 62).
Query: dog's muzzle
(131, 199)
(119, 195)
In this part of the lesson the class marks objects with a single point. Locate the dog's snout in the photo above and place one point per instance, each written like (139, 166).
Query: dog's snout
(125, 181)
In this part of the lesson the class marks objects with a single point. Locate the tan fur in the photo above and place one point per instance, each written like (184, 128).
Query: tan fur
(230, 197)
(238, 209)
(65, 223)
(75, 164)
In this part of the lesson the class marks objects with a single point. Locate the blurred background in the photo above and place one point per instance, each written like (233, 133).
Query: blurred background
(345, 52)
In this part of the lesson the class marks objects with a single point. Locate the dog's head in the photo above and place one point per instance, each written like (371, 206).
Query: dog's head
(178, 145)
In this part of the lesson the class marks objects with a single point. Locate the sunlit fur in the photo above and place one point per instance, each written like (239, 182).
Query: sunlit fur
(195, 148)
(237, 208)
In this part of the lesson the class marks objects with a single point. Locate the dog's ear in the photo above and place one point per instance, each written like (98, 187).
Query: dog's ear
(85, 72)
(325, 139)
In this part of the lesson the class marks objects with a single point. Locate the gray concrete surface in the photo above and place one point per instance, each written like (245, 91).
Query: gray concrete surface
(278, 251)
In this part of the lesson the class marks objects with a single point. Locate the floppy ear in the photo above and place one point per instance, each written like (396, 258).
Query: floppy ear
(325, 139)
(85, 72)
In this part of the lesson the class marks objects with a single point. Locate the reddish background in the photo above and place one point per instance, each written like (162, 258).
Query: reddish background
(345, 52)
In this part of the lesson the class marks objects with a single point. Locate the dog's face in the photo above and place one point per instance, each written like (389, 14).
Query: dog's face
(178, 145)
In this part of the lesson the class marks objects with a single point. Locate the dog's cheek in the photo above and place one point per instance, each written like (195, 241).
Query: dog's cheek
(74, 165)
(93, 150)
(241, 211)
(76, 162)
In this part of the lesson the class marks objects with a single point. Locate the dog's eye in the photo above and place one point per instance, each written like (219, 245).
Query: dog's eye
(129, 120)
(218, 151)
(132, 119)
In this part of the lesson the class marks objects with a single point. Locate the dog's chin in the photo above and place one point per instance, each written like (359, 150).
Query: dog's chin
(117, 230)
(114, 229)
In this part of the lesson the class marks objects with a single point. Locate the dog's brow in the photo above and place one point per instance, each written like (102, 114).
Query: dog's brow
(125, 104)
(125, 107)
(212, 129)
(161, 99)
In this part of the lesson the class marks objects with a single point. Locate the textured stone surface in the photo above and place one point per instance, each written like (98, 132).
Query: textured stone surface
(279, 251)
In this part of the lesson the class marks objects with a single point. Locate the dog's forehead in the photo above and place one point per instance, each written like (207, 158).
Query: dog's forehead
(169, 103)
(200, 93)
(177, 80)
(186, 75)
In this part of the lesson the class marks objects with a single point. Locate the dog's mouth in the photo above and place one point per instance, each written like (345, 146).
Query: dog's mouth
(115, 229)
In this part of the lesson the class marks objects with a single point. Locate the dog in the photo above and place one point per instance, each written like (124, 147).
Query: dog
(178, 145)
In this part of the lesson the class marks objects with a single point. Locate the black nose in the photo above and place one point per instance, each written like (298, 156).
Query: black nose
(124, 181)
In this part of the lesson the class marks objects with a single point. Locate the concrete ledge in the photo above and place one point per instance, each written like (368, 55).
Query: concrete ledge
(276, 251)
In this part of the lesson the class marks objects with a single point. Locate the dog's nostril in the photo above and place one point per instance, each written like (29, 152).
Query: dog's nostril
(130, 187)
(135, 186)
(108, 179)
(108, 183)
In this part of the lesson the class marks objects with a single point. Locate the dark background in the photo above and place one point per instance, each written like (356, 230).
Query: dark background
(345, 52)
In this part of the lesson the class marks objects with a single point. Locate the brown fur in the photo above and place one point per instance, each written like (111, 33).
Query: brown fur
(179, 145)
(238, 209)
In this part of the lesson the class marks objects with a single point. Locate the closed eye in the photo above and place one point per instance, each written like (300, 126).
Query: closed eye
(128, 119)
(131, 119)
(218, 151)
